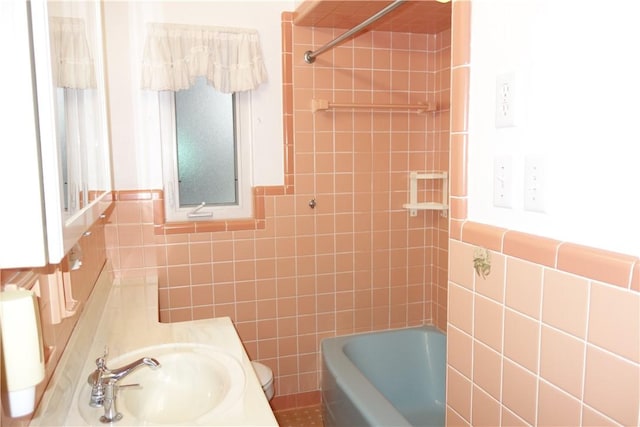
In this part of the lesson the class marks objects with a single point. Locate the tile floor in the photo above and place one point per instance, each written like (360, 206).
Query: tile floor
(300, 417)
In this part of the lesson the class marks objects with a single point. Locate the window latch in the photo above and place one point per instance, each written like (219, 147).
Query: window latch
(195, 213)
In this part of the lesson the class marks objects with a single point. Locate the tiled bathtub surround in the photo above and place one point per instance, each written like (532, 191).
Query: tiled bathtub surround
(356, 262)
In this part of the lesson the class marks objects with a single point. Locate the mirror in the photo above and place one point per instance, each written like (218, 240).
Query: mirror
(75, 36)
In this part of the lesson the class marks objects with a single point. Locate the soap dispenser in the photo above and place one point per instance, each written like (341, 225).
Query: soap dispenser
(22, 350)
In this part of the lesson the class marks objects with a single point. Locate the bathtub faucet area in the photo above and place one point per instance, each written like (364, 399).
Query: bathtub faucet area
(104, 385)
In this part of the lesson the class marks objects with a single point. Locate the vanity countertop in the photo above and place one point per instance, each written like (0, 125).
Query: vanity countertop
(127, 322)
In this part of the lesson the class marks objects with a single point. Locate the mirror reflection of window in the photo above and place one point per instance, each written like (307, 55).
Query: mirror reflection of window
(78, 112)
(61, 137)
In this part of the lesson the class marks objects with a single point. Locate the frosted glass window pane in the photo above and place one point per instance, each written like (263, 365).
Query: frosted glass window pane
(206, 146)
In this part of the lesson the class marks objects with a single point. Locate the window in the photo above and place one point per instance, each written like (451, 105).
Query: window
(206, 153)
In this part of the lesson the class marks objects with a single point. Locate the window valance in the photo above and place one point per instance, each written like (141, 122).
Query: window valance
(174, 55)
(71, 59)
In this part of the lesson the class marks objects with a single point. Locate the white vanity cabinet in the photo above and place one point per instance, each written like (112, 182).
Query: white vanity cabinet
(55, 170)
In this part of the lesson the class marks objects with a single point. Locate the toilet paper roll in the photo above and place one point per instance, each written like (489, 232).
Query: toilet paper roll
(22, 349)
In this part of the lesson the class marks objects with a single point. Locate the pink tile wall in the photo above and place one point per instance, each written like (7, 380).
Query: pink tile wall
(535, 344)
(552, 335)
(357, 262)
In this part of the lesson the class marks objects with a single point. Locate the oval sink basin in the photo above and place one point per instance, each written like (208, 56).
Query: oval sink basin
(192, 383)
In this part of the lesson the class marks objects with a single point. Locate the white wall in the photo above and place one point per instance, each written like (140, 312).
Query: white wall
(577, 69)
(135, 140)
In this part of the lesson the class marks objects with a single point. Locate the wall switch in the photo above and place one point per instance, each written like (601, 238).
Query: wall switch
(502, 182)
(534, 184)
(505, 100)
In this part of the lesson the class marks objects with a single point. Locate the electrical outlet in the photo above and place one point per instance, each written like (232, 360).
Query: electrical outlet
(505, 100)
(502, 182)
(534, 188)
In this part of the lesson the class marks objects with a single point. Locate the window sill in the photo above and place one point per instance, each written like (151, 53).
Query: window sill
(161, 227)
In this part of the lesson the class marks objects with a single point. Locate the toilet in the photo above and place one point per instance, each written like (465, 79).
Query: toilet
(265, 375)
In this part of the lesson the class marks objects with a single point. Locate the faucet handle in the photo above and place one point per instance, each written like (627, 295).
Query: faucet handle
(101, 362)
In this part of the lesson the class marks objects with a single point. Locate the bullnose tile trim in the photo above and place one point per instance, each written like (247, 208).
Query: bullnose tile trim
(597, 264)
(592, 263)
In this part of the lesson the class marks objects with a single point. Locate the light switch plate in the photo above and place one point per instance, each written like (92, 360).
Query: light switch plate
(506, 100)
(502, 182)
(534, 184)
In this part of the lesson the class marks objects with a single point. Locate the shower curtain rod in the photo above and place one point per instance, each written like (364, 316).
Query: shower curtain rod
(310, 56)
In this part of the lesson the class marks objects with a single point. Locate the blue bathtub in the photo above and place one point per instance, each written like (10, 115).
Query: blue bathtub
(389, 378)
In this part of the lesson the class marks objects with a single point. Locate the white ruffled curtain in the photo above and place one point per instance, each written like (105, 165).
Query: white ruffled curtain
(174, 55)
(74, 74)
(71, 59)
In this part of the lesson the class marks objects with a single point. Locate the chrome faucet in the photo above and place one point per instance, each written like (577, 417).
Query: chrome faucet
(104, 385)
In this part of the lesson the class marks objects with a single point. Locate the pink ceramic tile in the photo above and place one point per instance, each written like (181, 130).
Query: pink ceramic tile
(614, 320)
(459, 393)
(592, 418)
(561, 360)
(597, 264)
(488, 322)
(556, 408)
(130, 235)
(460, 99)
(200, 252)
(635, 279)
(519, 391)
(461, 32)
(612, 386)
(461, 264)
(537, 249)
(460, 308)
(485, 410)
(201, 274)
(458, 207)
(487, 370)
(459, 351)
(521, 340)
(180, 297)
(511, 419)
(453, 419)
(483, 235)
(564, 304)
(524, 287)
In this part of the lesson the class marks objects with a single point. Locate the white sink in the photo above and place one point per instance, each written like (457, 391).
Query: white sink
(193, 384)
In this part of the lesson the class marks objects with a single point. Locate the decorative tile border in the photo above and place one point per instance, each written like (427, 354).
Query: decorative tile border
(163, 228)
(597, 264)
